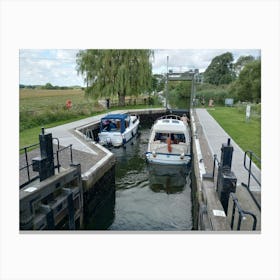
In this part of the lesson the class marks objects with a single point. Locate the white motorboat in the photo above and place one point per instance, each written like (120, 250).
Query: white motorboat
(118, 129)
(169, 141)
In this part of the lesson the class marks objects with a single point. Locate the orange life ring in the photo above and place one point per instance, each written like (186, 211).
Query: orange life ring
(169, 148)
(68, 104)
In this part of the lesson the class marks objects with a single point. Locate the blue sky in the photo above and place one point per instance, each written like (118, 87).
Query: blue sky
(58, 66)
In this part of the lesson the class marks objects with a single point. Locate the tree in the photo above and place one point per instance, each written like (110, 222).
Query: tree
(248, 85)
(220, 71)
(48, 86)
(241, 62)
(155, 83)
(158, 82)
(116, 72)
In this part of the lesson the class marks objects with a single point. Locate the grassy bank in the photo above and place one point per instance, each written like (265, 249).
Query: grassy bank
(246, 133)
(43, 107)
(46, 108)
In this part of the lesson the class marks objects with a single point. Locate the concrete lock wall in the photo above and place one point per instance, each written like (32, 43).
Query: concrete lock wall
(208, 211)
(99, 202)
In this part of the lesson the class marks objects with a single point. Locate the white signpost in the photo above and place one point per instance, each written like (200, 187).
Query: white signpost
(248, 112)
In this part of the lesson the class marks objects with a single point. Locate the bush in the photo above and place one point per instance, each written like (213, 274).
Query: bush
(29, 119)
(255, 109)
(217, 93)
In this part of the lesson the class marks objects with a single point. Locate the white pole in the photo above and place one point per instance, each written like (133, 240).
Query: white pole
(166, 93)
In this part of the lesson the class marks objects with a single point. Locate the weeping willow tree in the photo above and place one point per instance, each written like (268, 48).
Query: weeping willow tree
(115, 72)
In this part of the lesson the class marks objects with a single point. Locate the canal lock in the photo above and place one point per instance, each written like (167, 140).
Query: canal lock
(124, 193)
(132, 196)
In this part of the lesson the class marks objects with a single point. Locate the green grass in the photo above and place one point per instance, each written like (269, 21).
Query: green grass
(31, 136)
(46, 108)
(246, 134)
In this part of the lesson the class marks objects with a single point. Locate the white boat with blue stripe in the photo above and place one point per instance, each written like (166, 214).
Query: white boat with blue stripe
(117, 129)
(169, 141)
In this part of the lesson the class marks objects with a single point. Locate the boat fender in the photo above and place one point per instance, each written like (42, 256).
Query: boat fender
(169, 148)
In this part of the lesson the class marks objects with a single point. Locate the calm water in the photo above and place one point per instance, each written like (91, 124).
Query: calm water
(149, 197)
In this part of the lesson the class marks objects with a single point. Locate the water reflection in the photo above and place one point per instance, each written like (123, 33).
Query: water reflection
(147, 197)
(167, 178)
(103, 214)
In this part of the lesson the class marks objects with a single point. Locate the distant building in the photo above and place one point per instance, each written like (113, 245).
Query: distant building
(186, 75)
(199, 77)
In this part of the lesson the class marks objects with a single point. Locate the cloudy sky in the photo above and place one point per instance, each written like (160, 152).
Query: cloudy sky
(58, 66)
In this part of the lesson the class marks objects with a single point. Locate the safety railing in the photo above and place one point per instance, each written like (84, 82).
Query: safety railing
(216, 163)
(251, 174)
(175, 117)
(60, 150)
(29, 165)
(242, 214)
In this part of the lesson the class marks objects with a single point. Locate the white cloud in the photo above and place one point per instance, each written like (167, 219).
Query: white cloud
(192, 58)
(38, 67)
(58, 66)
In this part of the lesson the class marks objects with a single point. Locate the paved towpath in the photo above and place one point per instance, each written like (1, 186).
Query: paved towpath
(65, 132)
(66, 136)
(216, 136)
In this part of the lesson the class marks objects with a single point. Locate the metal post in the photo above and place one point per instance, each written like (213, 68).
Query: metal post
(226, 155)
(250, 166)
(71, 155)
(27, 164)
(192, 93)
(166, 92)
(214, 165)
(233, 215)
(226, 182)
(58, 164)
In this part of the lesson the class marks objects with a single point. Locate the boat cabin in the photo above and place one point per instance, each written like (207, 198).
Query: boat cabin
(114, 123)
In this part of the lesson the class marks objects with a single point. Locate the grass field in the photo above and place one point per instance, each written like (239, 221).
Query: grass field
(36, 99)
(246, 133)
(46, 108)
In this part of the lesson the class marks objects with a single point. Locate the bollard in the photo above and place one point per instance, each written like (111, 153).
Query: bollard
(226, 182)
(226, 185)
(226, 154)
(45, 163)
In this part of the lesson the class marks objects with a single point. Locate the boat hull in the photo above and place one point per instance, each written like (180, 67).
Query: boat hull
(168, 159)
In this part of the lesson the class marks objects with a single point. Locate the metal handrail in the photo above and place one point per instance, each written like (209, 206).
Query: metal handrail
(27, 162)
(55, 138)
(60, 150)
(27, 166)
(242, 214)
(251, 174)
(176, 117)
(212, 175)
(214, 164)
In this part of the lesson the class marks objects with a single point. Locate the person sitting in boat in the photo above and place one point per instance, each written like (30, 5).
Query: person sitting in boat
(185, 119)
(106, 125)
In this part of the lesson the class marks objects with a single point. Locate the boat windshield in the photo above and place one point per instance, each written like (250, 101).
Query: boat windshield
(111, 125)
(175, 137)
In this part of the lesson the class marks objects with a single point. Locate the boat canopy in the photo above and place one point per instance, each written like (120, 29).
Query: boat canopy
(169, 125)
(116, 122)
